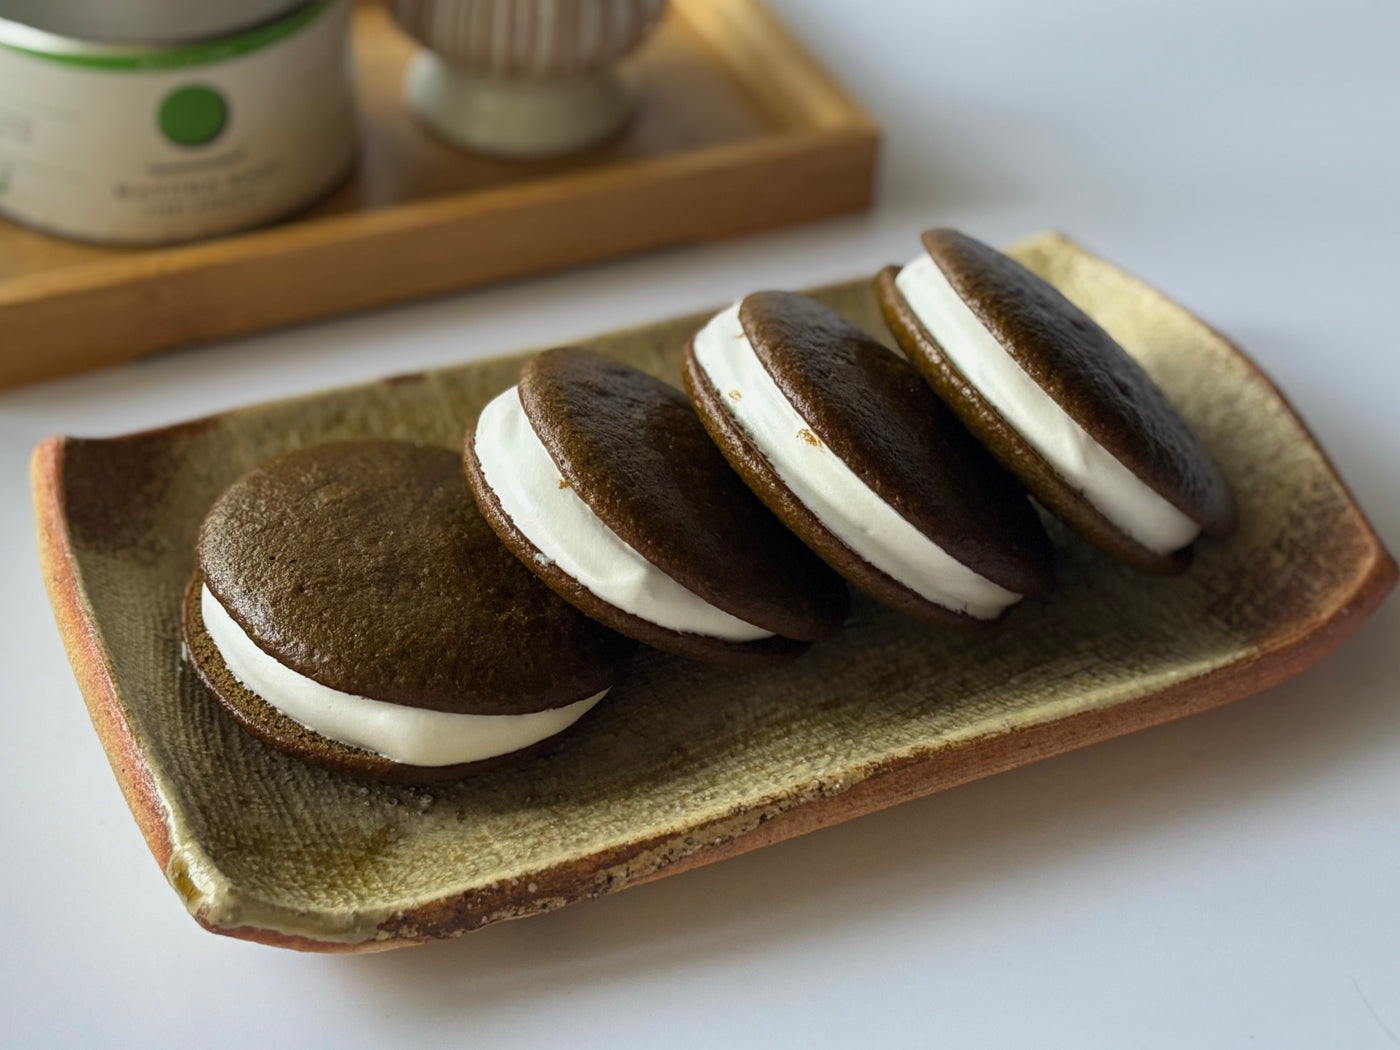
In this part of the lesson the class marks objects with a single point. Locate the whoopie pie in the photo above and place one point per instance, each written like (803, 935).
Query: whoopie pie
(351, 607)
(852, 450)
(600, 478)
(1057, 400)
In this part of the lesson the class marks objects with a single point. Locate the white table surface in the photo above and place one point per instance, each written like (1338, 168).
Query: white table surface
(1231, 880)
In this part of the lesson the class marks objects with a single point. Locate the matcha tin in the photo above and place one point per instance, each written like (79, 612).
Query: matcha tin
(172, 140)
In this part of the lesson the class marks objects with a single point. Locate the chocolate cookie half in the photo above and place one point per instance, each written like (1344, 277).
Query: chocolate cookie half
(352, 608)
(601, 479)
(849, 447)
(1057, 400)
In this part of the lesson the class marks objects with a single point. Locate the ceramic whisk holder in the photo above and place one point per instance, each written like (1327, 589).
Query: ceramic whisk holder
(522, 78)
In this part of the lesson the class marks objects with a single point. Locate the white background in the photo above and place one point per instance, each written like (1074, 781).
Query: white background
(1229, 881)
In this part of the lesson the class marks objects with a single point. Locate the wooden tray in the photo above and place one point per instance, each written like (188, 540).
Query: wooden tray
(739, 130)
(683, 764)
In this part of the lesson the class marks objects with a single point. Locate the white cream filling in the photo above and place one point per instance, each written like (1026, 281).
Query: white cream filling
(532, 492)
(1115, 491)
(408, 735)
(822, 481)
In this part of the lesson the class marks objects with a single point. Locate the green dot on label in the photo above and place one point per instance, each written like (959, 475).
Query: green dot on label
(192, 116)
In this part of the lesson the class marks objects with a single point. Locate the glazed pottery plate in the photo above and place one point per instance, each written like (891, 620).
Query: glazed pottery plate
(684, 763)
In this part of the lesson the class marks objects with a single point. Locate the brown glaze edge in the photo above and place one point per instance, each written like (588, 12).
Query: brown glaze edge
(1004, 442)
(751, 465)
(86, 654)
(693, 646)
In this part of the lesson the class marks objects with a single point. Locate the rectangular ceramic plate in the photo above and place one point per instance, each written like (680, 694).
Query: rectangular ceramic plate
(738, 129)
(684, 763)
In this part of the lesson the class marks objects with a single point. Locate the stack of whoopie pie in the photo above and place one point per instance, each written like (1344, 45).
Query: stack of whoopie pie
(400, 611)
